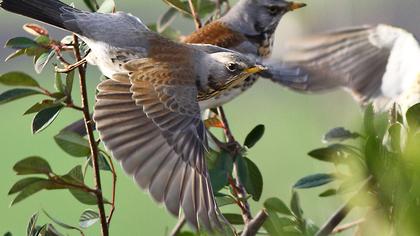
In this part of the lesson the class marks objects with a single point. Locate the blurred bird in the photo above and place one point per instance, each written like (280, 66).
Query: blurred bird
(378, 64)
(247, 28)
(147, 114)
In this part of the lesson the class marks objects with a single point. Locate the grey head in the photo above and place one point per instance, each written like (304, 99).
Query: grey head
(256, 17)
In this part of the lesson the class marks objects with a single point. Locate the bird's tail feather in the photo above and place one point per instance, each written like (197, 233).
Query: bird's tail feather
(47, 11)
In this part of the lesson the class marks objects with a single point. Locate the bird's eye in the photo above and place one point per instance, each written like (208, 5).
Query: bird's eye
(273, 10)
(232, 67)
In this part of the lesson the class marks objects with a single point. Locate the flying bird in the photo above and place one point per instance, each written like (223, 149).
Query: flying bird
(377, 64)
(247, 28)
(148, 113)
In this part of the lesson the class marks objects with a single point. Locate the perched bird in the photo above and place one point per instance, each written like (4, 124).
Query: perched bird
(247, 28)
(378, 64)
(148, 114)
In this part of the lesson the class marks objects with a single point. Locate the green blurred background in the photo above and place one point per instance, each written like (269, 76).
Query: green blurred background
(294, 122)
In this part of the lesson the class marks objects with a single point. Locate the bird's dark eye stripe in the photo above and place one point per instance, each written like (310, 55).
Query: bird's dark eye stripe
(273, 9)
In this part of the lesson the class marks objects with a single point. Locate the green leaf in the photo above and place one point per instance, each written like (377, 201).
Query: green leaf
(295, 205)
(15, 94)
(413, 117)
(83, 197)
(224, 200)
(23, 183)
(17, 78)
(58, 83)
(275, 224)
(88, 218)
(44, 118)
(60, 223)
(250, 176)
(339, 134)
(179, 5)
(8, 234)
(43, 40)
(254, 136)
(32, 165)
(221, 171)
(20, 43)
(43, 60)
(328, 193)
(102, 162)
(169, 32)
(166, 19)
(396, 137)
(33, 188)
(69, 83)
(32, 223)
(312, 181)
(74, 176)
(235, 219)
(91, 4)
(17, 53)
(108, 6)
(277, 205)
(335, 153)
(73, 144)
(369, 120)
(37, 107)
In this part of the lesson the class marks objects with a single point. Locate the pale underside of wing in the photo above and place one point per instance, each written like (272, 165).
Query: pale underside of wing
(154, 129)
(351, 58)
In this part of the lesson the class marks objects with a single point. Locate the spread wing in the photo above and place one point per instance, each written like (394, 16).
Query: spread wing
(150, 121)
(355, 58)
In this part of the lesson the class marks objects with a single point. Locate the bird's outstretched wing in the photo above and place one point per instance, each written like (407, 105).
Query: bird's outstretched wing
(150, 120)
(362, 59)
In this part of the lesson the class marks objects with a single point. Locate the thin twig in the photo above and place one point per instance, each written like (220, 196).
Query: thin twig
(91, 137)
(181, 222)
(255, 224)
(342, 212)
(195, 15)
(347, 226)
(114, 187)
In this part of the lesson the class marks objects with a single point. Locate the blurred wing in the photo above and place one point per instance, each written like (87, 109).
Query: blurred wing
(354, 58)
(152, 125)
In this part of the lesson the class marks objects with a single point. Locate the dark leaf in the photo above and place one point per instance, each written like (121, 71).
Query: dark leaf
(50, 230)
(17, 53)
(44, 118)
(91, 4)
(20, 43)
(369, 120)
(32, 165)
(75, 176)
(179, 5)
(339, 134)
(108, 6)
(32, 223)
(16, 78)
(396, 137)
(8, 234)
(43, 40)
(15, 94)
(35, 51)
(250, 176)
(275, 224)
(224, 200)
(277, 205)
(87, 198)
(187, 233)
(37, 107)
(413, 117)
(235, 219)
(206, 7)
(88, 218)
(295, 205)
(169, 32)
(102, 162)
(335, 153)
(254, 136)
(60, 223)
(73, 143)
(221, 171)
(32, 189)
(328, 193)
(166, 19)
(21, 184)
(43, 60)
(312, 181)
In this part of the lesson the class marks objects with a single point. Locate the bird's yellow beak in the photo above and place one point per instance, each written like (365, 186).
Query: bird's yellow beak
(255, 69)
(295, 5)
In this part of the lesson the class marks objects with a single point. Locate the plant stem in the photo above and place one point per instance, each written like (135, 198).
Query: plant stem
(114, 187)
(92, 142)
(350, 225)
(342, 212)
(195, 15)
(254, 225)
(178, 226)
